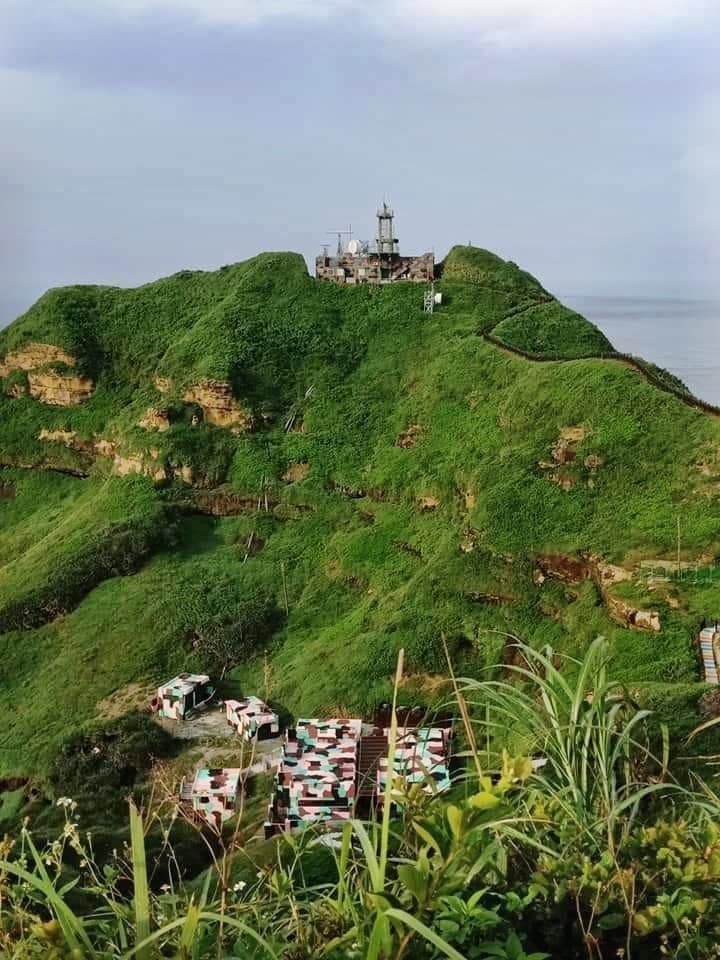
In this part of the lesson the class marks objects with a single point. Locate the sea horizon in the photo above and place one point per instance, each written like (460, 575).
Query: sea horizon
(680, 334)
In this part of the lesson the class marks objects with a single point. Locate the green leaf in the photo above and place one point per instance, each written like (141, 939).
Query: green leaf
(484, 800)
(419, 927)
(141, 896)
(455, 819)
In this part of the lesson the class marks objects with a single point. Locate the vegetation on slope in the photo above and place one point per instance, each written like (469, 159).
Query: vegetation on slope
(395, 486)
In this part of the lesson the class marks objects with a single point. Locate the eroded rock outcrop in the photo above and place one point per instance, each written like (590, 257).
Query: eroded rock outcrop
(60, 389)
(66, 437)
(408, 438)
(564, 468)
(124, 463)
(630, 616)
(136, 463)
(54, 387)
(155, 418)
(34, 355)
(604, 575)
(296, 472)
(219, 406)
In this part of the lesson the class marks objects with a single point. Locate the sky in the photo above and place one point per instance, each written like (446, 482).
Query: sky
(579, 138)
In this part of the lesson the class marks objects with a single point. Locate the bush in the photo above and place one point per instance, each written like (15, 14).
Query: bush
(101, 767)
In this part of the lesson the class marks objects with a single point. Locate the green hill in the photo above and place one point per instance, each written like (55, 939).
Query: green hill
(326, 474)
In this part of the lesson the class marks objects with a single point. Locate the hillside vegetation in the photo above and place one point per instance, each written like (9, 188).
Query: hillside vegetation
(330, 474)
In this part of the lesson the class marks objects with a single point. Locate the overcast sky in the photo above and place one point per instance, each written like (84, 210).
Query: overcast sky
(580, 138)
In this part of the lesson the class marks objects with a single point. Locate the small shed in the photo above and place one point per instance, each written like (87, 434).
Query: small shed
(184, 693)
(252, 718)
(212, 794)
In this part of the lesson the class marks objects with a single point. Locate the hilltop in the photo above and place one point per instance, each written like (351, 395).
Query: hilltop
(314, 476)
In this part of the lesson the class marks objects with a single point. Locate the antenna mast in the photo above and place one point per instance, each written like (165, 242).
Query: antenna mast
(340, 234)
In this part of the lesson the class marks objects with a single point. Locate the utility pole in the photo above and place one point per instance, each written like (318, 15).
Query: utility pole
(284, 584)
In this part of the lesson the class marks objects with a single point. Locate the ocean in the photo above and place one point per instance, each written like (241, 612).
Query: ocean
(681, 335)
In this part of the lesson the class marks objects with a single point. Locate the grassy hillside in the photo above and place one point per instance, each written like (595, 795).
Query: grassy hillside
(400, 480)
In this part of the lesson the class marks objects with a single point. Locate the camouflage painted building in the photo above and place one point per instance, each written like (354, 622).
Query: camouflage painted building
(212, 795)
(188, 691)
(421, 756)
(316, 779)
(252, 717)
(325, 764)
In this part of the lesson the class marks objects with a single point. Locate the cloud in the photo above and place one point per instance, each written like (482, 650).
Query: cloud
(501, 22)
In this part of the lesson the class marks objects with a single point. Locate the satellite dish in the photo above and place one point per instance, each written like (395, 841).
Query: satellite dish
(353, 248)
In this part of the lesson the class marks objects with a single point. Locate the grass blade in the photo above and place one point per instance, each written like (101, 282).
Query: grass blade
(141, 898)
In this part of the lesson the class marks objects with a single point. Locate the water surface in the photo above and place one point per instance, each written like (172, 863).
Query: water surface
(681, 335)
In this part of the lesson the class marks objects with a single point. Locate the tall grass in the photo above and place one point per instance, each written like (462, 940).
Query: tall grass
(596, 853)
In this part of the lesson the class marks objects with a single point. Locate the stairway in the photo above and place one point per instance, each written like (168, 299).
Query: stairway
(372, 747)
(707, 637)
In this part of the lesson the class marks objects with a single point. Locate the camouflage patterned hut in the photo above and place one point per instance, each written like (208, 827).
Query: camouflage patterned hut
(252, 717)
(212, 794)
(316, 780)
(184, 693)
(421, 756)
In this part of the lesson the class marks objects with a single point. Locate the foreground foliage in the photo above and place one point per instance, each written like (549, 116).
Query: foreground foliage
(596, 853)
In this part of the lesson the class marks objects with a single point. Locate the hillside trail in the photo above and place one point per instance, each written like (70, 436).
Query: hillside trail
(694, 403)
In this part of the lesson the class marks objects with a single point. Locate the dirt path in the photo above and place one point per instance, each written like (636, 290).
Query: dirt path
(622, 358)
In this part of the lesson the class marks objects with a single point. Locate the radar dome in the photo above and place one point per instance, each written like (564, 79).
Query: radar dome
(353, 247)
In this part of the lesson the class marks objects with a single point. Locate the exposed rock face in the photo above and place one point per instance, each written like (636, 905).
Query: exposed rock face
(629, 616)
(163, 384)
(183, 472)
(60, 389)
(574, 570)
(218, 404)
(609, 573)
(105, 448)
(560, 567)
(428, 503)
(48, 386)
(16, 390)
(296, 472)
(408, 438)
(34, 355)
(123, 464)
(565, 469)
(223, 503)
(155, 419)
(136, 463)
(68, 437)
(564, 448)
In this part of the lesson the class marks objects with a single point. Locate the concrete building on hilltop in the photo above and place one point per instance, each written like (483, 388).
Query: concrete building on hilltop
(355, 262)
